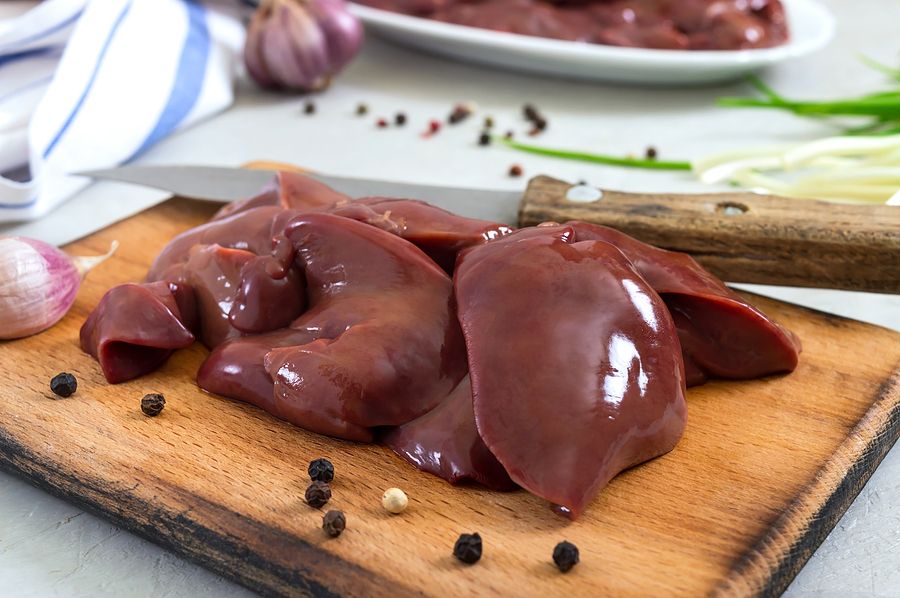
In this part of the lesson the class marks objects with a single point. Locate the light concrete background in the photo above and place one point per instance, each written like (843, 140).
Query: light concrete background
(51, 548)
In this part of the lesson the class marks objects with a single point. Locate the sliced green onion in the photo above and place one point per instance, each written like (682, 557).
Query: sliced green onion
(596, 158)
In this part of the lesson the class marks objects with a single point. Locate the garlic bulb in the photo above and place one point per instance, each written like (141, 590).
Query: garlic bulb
(300, 44)
(38, 283)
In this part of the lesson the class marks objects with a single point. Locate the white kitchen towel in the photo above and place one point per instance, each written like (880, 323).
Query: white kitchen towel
(90, 84)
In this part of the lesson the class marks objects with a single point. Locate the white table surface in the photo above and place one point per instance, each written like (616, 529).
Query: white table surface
(49, 547)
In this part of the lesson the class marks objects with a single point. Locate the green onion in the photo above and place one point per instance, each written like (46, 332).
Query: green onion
(595, 158)
(882, 109)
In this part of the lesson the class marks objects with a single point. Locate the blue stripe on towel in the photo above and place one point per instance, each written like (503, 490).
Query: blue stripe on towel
(36, 52)
(41, 34)
(188, 81)
(90, 82)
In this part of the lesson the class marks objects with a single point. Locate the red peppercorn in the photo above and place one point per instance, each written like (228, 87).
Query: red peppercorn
(515, 170)
(434, 126)
(381, 123)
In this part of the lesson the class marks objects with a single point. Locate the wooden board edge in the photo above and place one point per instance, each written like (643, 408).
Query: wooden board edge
(777, 556)
(328, 576)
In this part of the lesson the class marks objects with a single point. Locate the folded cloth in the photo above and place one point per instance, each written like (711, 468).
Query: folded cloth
(88, 84)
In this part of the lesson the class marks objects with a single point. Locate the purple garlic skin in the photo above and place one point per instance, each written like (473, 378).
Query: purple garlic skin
(38, 284)
(300, 44)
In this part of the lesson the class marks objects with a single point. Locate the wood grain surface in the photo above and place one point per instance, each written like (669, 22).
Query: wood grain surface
(762, 474)
(745, 237)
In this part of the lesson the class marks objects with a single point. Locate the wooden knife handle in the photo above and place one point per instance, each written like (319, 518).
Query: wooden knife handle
(743, 237)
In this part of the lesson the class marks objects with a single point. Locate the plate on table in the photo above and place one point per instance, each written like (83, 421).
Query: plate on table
(811, 27)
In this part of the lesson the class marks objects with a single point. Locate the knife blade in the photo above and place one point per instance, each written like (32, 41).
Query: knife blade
(740, 237)
(224, 184)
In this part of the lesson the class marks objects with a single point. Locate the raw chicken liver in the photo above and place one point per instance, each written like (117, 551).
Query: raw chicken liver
(574, 360)
(551, 361)
(136, 327)
(379, 344)
(722, 336)
(446, 443)
(660, 24)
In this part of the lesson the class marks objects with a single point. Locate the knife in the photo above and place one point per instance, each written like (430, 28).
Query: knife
(740, 237)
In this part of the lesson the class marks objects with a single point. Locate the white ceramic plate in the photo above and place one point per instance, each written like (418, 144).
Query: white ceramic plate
(811, 27)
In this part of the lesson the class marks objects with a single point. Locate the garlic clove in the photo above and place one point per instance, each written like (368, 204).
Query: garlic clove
(300, 44)
(253, 58)
(38, 284)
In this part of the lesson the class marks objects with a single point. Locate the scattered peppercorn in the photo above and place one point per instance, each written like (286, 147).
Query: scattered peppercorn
(394, 500)
(381, 123)
(152, 404)
(63, 384)
(317, 494)
(515, 170)
(362, 110)
(468, 548)
(582, 182)
(488, 122)
(651, 153)
(565, 555)
(334, 523)
(460, 113)
(484, 138)
(530, 112)
(321, 470)
(400, 119)
(508, 135)
(309, 108)
(434, 126)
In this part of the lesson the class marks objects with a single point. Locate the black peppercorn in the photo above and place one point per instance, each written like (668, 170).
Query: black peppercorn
(400, 119)
(317, 494)
(321, 470)
(565, 555)
(530, 112)
(64, 384)
(334, 523)
(460, 113)
(508, 135)
(468, 548)
(152, 404)
(651, 153)
(362, 110)
(309, 108)
(484, 139)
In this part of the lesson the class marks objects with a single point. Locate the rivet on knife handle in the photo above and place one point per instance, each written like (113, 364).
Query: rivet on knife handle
(744, 237)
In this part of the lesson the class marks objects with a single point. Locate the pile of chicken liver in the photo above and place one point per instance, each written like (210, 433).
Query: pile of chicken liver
(549, 358)
(658, 24)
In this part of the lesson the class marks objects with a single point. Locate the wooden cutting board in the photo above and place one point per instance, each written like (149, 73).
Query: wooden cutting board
(764, 470)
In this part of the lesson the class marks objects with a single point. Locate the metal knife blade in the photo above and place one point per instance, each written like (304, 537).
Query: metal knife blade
(218, 183)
